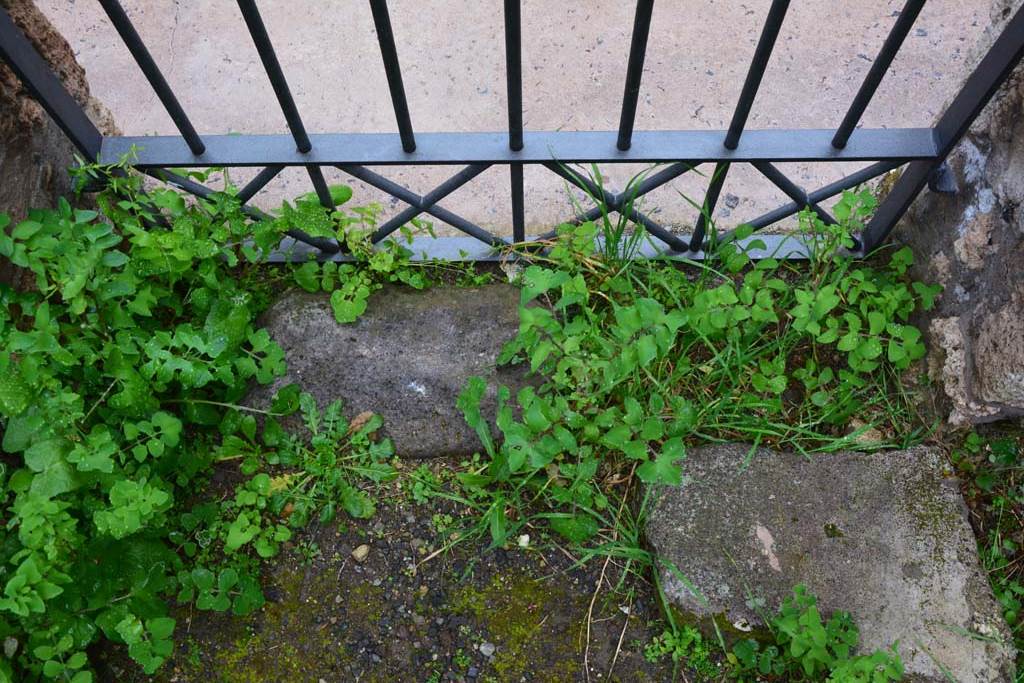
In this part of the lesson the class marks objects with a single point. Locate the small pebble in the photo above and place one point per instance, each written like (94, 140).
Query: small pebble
(472, 673)
(487, 649)
(360, 553)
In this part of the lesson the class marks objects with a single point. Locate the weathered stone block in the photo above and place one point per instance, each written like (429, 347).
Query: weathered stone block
(884, 536)
(972, 243)
(406, 359)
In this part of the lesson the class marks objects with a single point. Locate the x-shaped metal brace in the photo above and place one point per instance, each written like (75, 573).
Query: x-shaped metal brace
(619, 202)
(426, 203)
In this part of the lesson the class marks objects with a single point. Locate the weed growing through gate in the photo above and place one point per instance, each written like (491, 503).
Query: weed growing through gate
(640, 360)
(618, 240)
(119, 378)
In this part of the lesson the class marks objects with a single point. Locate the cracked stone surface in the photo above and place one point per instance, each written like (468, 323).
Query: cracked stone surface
(406, 359)
(883, 536)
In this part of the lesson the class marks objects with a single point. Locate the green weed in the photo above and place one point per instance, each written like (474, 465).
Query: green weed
(990, 467)
(639, 363)
(120, 374)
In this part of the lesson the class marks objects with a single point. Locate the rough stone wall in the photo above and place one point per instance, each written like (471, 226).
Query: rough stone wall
(972, 243)
(34, 154)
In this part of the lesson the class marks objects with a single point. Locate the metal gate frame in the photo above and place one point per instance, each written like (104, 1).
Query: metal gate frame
(922, 149)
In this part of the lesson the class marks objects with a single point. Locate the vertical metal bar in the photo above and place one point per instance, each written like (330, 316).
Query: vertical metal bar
(890, 48)
(990, 74)
(258, 31)
(708, 209)
(763, 52)
(388, 51)
(261, 38)
(758, 64)
(514, 77)
(37, 77)
(518, 203)
(634, 71)
(134, 43)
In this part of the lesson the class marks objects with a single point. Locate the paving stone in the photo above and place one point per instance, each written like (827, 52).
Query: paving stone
(883, 536)
(406, 359)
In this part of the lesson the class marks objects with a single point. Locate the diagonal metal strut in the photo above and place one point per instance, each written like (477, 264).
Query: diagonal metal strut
(616, 202)
(427, 203)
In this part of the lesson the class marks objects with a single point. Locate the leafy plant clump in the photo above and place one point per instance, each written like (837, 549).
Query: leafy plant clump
(119, 378)
(989, 467)
(804, 648)
(122, 371)
(641, 359)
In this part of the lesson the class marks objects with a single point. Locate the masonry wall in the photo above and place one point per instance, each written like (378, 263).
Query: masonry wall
(34, 154)
(972, 243)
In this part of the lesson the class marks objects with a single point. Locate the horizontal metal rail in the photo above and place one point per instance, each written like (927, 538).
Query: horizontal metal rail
(376, 149)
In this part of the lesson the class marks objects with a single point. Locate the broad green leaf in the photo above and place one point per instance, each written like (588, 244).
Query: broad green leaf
(15, 393)
(661, 470)
(308, 276)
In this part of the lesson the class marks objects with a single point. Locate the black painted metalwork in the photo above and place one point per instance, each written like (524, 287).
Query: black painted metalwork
(258, 183)
(923, 150)
(751, 84)
(616, 203)
(518, 203)
(514, 73)
(258, 31)
(37, 77)
(995, 67)
(134, 43)
(393, 72)
(881, 65)
(385, 149)
(634, 71)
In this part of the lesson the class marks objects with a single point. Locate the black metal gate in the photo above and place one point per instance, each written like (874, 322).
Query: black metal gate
(922, 149)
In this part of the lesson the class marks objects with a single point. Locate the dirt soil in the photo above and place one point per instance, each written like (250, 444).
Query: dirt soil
(410, 613)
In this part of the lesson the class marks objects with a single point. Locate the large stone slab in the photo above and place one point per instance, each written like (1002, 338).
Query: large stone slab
(406, 359)
(883, 536)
